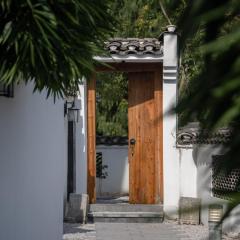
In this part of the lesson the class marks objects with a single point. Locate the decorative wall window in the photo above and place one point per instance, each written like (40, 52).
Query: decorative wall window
(6, 91)
(224, 184)
(100, 168)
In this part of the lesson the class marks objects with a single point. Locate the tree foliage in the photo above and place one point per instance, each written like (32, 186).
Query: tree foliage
(112, 104)
(214, 96)
(142, 18)
(137, 19)
(51, 42)
(134, 19)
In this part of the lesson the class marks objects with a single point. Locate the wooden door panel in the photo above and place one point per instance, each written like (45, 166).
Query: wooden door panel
(141, 115)
(145, 125)
(158, 109)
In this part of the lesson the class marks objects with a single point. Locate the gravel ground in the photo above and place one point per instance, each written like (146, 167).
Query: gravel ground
(75, 231)
(87, 231)
(199, 232)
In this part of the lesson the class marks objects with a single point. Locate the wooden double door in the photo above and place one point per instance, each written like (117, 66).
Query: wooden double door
(145, 152)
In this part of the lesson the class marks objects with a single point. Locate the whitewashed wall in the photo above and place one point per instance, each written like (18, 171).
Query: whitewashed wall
(202, 155)
(117, 181)
(195, 175)
(81, 142)
(171, 167)
(32, 160)
(196, 180)
(188, 173)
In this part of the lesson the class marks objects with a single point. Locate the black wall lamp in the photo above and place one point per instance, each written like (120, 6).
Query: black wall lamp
(6, 90)
(73, 106)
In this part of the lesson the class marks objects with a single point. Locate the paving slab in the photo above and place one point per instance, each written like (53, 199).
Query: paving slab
(168, 230)
(76, 231)
(138, 231)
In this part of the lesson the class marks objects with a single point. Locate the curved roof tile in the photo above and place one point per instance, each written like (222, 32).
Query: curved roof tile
(136, 46)
(192, 134)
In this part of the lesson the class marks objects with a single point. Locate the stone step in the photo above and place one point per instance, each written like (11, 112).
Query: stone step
(130, 213)
(156, 208)
(131, 217)
(125, 214)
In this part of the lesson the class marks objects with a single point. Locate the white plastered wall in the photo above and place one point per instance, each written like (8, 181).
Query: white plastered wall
(116, 182)
(202, 156)
(81, 142)
(196, 181)
(188, 173)
(171, 168)
(32, 160)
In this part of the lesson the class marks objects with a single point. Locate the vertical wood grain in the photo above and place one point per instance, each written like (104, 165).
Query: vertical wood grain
(158, 101)
(141, 127)
(91, 138)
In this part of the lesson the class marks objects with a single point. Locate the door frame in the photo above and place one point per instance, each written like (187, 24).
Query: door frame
(157, 68)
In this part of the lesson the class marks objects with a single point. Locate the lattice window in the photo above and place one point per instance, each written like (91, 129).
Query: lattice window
(224, 184)
(100, 168)
(99, 164)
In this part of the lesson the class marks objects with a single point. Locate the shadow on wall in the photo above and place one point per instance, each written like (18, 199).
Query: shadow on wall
(203, 159)
(81, 154)
(202, 156)
(33, 155)
(76, 180)
(80, 171)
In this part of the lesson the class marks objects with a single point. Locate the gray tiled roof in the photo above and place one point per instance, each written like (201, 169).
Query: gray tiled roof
(136, 46)
(191, 134)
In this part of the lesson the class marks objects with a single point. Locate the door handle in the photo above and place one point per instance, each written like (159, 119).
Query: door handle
(132, 141)
(132, 145)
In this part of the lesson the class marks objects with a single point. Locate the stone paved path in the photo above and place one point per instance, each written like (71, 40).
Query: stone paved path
(138, 231)
(76, 231)
(168, 230)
